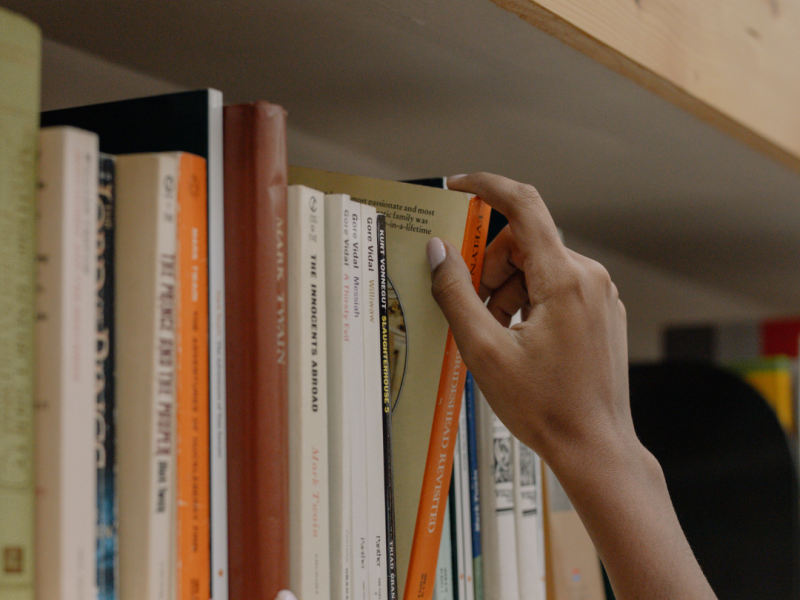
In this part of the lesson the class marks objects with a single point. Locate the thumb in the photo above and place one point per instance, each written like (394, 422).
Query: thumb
(480, 338)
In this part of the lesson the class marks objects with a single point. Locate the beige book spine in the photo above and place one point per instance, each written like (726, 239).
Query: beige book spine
(146, 290)
(66, 512)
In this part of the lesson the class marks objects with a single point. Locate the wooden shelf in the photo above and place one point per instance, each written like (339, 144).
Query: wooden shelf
(415, 88)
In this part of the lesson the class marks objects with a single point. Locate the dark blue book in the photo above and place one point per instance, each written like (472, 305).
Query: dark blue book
(107, 563)
(474, 494)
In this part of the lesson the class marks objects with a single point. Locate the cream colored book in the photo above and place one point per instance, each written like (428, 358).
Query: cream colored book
(309, 546)
(19, 118)
(66, 467)
(530, 522)
(418, 330)
(146, 291)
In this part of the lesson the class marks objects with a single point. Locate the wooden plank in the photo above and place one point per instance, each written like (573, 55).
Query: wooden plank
(734, 64)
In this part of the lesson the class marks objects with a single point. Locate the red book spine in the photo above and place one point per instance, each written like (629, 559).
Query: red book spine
(257, 392)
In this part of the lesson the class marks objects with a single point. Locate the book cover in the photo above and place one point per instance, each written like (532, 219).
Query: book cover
(257, 371)
(386, 391)
(443, 588)
(146, 270)
(20, 66)
(189, 122)
(474, 487)
(419, 343)
(338, 302)
(191, 375)
(309, 546)
(373, 407)
(106, 433)
(529, 522)
(66, 466)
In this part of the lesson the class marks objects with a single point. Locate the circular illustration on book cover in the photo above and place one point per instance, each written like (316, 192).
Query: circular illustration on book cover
(398, 346)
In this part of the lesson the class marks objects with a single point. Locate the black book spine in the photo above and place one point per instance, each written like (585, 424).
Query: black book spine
(388, 478)
(107, 563)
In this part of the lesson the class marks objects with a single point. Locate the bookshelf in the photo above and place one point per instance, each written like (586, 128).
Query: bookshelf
(692, 220)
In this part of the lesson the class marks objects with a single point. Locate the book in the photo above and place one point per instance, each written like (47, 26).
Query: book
(309, 549)
(358, 436)
(66, 466)
(466, 515)
(444, 585)
(386, 392)
(189, 122)
(529, 522)
(257, 371)
(106, 431)
(474, 487)
(373, 406)
(498, 529)
(146, 266)
(774, 378)
(413, 215)
(20, 67)
(338, 303)
(191, 375)
(457, 520)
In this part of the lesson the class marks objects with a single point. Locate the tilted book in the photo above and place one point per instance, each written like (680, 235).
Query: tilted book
(309, 546)
(20, 67)
(433, 376)
(257, 392)
(444, 585)
(146, 323)
(466, 511)
(474, 487)
(189, 122)
(66, 467)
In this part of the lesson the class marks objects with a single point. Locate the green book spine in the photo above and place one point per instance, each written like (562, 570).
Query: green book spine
(20, 61)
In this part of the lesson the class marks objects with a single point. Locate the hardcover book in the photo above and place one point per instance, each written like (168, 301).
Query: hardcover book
(189, 122)
(66, 464)
(474, 487)
(529, 521)
(257, 384)
(419, 342)
(20, 66)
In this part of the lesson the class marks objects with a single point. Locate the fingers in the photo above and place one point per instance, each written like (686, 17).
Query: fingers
(509, 299)
(501, 261)
(479, 337)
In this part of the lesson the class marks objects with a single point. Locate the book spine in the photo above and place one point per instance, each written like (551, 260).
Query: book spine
(107, 561)
(373, 409)
(308, 414)
(530, 557)
(358, 440)
(484, 426)
(66, 515)
(474, 487)
(257, 372)
(146, 262)
(443, 587)
(216, 351)
(339, 335)
(19, 139)
(466, 514)
(388, 478)
(457, 503)
(193, 578)
(438, 465)
(503, 475)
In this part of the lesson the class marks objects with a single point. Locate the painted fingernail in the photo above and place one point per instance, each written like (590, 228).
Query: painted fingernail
(455, 177)
(436, 252)
(285, 595)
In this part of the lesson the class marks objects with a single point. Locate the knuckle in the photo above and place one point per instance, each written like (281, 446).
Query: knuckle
(445, 288)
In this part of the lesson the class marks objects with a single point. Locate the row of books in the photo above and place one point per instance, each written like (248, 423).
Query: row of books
(201, 344)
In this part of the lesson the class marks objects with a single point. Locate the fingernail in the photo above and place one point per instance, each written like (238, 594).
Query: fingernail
(285, 595)
(436, 252)
(454, 177)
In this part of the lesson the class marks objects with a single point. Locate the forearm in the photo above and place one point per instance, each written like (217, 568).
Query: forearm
(620, 493)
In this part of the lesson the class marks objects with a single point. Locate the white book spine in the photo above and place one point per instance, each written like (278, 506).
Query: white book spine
(308, 415)
(458, 505)
(338, 258)
(358, 436)
(146, 291)
(466, 515)
(528, 515)
(66, 511)
(373, 410)
(504, 510)
(443, 588)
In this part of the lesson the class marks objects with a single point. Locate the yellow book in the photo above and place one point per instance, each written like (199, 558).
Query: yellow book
(772, 378)
(20, 61)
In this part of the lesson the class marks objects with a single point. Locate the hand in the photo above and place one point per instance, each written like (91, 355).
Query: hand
(559, 382)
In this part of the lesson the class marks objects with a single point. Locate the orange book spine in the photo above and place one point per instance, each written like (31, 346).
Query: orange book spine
(439, 463)
(193, 532)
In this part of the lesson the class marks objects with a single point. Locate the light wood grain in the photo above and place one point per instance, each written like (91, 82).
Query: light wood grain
(732, 63)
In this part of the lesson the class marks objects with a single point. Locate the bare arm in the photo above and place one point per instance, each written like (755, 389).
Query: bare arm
(559, 381)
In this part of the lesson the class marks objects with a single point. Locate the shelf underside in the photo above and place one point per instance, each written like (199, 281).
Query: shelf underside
(426, 87)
